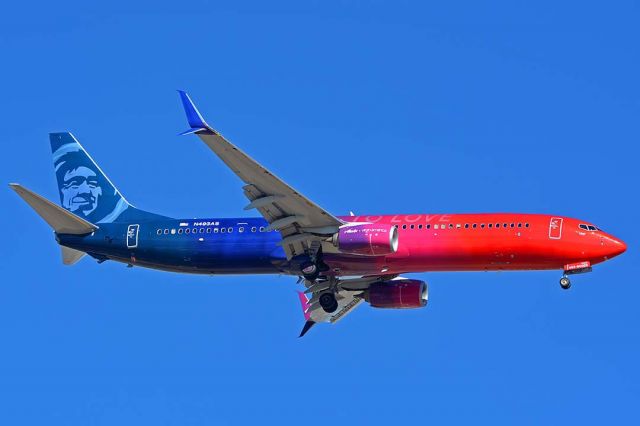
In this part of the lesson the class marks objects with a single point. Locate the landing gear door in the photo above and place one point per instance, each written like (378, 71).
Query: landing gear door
(555, 228)
(132, 236)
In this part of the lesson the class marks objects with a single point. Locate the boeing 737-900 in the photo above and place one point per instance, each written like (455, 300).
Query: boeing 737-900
(342, 261)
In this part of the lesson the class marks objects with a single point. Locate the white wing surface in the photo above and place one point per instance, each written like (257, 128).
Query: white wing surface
(299, 220)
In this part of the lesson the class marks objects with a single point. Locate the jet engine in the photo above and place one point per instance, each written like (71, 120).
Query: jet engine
(369, 239)
(397, 294)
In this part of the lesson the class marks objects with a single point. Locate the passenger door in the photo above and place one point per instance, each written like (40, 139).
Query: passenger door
(132, 236)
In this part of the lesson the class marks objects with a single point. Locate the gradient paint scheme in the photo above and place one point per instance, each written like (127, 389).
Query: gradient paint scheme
(426, 242)
(533, 242)
(96, 219)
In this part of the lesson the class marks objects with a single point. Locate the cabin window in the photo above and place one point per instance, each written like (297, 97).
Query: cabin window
(490, 225)
(420, 226)
(458, 226)
(497, 225)
(428, 226)
(229, 229)
(526, 225)
(482, 225)
(512, 225)
(241, 229)
(504, 224)
(519, 225)
(404, 226)
(466, 226)
(186, 231)
(180, 231)
(166, 231)
(194, 230)
(202, 230)
(208, 230)
(253, 229)
(173, 231)
(413, 226)
(223, 230)
(159, 232)
(215, 230)
(262, 229)
(435, 226)
(451, 226)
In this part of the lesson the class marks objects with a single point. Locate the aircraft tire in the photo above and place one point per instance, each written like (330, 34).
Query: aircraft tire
(565, 283)
(310, 271)
(328, 302)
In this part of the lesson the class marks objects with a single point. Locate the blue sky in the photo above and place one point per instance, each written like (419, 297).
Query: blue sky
(367, 106)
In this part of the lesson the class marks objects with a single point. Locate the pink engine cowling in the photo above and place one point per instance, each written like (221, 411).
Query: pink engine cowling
(367, 239)
(398, 294)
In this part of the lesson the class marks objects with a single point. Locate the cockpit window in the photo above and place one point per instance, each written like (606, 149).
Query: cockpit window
(588, 227)
(592, 228)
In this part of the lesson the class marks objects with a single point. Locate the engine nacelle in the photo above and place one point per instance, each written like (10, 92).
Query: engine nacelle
(398, 294)
(369, 239)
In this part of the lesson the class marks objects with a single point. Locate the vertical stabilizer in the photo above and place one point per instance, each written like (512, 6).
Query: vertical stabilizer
(83, 187)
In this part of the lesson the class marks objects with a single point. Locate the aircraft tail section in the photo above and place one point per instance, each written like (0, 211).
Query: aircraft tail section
(62, 221)
(83, 187)
(71, 256)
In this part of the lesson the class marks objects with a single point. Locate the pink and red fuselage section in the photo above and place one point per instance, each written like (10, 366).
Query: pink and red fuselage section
(482, 242)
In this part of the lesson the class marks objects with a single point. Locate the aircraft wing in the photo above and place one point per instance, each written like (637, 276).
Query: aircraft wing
(313, 312)
(299, 220)
(349, 295)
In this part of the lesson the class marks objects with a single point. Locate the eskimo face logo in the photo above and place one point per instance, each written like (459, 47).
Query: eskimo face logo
(80, 190)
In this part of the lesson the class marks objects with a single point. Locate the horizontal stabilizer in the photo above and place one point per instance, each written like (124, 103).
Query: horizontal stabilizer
(71, 256)
(61, 220)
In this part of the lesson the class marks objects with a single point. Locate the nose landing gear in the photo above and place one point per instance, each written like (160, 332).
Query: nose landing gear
(571, 269)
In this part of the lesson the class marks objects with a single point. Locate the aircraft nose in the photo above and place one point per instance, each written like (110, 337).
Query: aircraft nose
(616, 246)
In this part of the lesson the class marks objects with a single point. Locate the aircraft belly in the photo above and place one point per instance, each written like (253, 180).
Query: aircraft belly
(210, 257)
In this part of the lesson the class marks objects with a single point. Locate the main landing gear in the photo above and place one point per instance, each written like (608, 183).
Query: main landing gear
(310, 271)
(311, 267)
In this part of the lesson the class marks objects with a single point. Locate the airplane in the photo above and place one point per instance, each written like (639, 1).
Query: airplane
(342, 261)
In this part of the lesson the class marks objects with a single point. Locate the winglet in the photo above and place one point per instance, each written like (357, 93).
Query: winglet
(194, 117)
(307, 327)
(304, 302)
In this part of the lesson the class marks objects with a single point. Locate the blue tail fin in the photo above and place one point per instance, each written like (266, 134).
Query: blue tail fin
(84, 188)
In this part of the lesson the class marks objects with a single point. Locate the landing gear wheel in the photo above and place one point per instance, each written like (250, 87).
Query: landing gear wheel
(565, 283)
(328, 302)
(310, 271)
